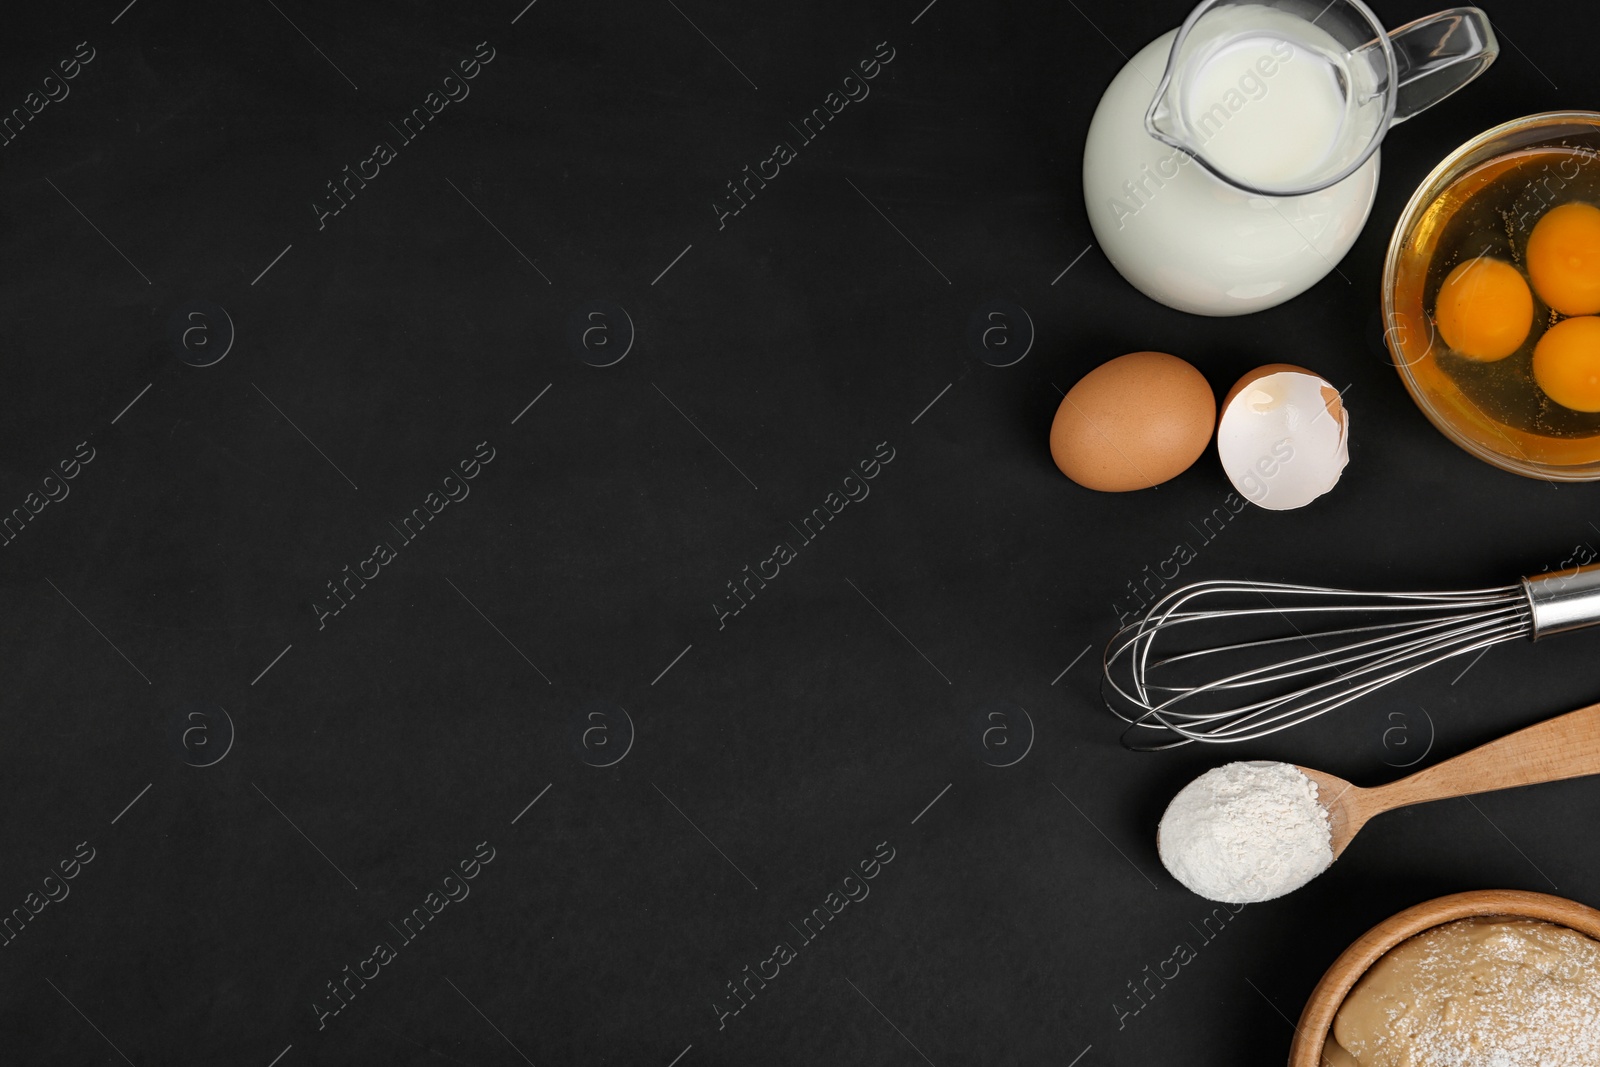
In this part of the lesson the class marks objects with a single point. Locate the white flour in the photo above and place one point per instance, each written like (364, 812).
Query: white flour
(1246, 832)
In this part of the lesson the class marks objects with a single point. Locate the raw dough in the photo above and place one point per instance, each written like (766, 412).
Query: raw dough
(1476, 993)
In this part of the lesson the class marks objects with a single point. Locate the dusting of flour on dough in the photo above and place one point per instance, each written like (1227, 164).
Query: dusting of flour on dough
(1490, 992)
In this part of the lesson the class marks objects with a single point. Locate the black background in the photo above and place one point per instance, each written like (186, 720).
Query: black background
(817, 723)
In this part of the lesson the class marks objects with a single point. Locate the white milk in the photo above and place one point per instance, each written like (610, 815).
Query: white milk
(1182, 236)
(1266, 110)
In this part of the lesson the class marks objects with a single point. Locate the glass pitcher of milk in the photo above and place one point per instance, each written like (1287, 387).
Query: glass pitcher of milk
(1255, 163)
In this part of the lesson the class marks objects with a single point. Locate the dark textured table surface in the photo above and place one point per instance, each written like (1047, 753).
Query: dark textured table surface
(385, 673)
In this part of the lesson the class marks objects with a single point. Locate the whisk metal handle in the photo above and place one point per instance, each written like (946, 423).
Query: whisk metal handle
(1564, 600)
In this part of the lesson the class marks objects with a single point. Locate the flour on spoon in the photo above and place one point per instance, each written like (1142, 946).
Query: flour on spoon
(1246, 832)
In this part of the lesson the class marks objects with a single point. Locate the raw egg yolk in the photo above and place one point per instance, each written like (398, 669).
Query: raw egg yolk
(1485, 309)
(1564, 258)
(1566, 363)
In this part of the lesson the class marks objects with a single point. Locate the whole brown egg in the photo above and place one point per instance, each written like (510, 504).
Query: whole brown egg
(1133, 423)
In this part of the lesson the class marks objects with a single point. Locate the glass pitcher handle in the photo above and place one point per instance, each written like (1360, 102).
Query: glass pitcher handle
(1436, 55)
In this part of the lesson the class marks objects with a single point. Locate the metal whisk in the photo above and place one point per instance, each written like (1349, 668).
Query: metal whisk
(1223, 661)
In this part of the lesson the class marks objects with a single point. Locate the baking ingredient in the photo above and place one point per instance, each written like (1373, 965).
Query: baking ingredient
(1564, 258)
(1133, 423)
(1502, 209)
(1566, 363)
(1486, 992)
(1283, 436)
(1174, 230)
(1485, 309)
(1246, 832)
(1282, 137)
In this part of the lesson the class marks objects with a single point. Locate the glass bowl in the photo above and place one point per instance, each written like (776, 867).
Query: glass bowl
(1409, 331)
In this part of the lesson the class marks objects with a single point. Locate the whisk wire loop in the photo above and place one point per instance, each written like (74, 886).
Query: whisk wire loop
(1248, 678)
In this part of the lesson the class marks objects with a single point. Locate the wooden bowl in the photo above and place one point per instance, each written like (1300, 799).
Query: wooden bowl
(1317, 1019)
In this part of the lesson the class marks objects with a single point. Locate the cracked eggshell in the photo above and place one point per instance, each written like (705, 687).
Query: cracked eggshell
(1283, 436)
(1133, 422)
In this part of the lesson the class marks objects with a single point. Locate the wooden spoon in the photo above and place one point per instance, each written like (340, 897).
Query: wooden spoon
(1567, 746)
